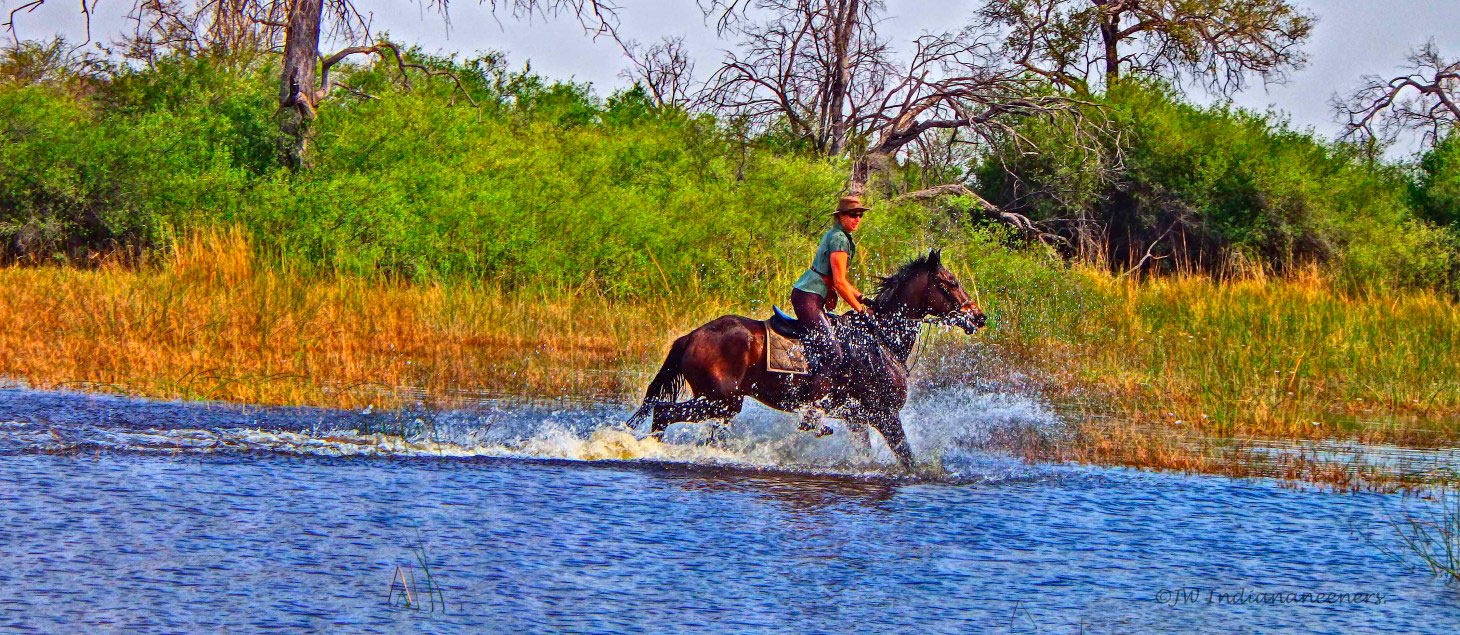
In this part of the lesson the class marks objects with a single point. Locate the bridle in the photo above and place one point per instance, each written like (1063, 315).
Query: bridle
(945, 319)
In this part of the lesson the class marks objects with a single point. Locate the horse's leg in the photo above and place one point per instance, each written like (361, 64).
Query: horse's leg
(716, 438)
(714, 361)
(858, 430)
(697, 409)
(811, 422)
(890, 425)
(720, 425)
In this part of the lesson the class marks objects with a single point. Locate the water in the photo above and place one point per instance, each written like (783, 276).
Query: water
(124, 514)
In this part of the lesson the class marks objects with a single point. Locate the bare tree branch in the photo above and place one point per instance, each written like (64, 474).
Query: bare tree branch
(1426, 99)
(665, 70)
(820, 69)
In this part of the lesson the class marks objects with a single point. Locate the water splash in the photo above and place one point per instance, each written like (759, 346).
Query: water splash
(957, 433)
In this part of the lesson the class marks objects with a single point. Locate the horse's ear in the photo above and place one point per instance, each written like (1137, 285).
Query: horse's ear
(935, 259)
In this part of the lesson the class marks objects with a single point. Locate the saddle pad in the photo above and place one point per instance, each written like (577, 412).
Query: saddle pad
(784, 355)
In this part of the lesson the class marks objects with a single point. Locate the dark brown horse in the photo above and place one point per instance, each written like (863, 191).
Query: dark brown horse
(723, 361)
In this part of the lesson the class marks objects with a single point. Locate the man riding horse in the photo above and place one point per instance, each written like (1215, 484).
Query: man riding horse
(858, 363)
(816, 291)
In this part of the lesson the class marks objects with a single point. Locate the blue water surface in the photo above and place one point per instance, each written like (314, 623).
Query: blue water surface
(106, 538)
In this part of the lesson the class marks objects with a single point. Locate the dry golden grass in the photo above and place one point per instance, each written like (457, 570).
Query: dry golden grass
(1283, 358)
(211, 324)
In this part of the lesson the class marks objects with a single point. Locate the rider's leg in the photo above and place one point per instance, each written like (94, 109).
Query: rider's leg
(822, 354)
(822, 350)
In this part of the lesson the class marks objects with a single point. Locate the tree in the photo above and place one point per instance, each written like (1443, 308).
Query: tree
(1425, 98)
(814, 64)
(1437, 188)
(821, 69)
(1074, 43)
(664, 70)
(295, 26)
(53, 62)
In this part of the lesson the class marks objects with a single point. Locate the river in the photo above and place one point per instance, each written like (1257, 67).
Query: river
(128, 514)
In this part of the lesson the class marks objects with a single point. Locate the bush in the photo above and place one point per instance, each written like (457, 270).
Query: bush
(1222, 189)
(124, 167)
(543, 185)
(1437, 190)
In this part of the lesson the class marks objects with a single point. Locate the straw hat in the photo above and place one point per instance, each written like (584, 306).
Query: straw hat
(850, 204)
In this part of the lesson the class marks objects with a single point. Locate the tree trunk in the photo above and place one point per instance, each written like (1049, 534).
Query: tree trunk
(297, 85)
(1109, 36)
(841, 80)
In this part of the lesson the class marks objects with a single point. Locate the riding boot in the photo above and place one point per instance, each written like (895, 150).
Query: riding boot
(823, 353)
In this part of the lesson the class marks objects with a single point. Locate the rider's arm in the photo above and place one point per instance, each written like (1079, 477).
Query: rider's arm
(841, 284)
(831, 301)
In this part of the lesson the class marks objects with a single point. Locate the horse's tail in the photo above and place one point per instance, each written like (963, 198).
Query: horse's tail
(666, 384)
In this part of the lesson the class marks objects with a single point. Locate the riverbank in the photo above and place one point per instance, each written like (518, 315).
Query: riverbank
(1163, 373)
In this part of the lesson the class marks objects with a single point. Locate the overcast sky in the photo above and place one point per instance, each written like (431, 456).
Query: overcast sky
(1352, 38)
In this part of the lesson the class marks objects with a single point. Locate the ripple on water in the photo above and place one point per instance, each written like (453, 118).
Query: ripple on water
(183, 517)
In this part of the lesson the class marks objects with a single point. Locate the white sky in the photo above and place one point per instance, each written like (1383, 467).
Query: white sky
(1352, 38)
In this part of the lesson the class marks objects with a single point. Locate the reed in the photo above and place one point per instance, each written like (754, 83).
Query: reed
(1428, 533)
(1290, 358)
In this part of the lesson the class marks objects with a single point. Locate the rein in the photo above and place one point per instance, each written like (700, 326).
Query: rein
(876, 329)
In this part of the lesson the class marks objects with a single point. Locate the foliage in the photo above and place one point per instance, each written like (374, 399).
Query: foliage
(543, 184)
(1218, 43)
(1218, 189)
(526, 182)
(1437, 190)
(121, 168)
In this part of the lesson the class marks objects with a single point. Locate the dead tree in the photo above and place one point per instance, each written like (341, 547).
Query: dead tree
(1425, 98)
(956, 82)
(1074, 43)
(956, 89)
(664, 70)
(808, 66)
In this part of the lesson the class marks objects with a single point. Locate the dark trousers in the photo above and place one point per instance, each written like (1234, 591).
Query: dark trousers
(822, 349)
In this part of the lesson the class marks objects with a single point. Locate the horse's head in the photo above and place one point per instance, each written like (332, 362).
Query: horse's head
(925, 289)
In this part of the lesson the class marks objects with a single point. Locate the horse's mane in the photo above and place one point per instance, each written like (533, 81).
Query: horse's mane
(885, 297)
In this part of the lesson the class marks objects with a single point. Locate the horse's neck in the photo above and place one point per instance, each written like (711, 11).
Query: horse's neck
(899, 332)
(903, 334)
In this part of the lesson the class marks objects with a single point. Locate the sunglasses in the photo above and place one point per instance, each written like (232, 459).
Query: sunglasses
(853, 214)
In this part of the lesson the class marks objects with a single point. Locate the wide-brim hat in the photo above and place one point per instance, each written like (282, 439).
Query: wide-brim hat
(850, 204)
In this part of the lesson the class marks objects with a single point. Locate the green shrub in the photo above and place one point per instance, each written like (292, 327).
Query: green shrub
(1220, 189)
(537, 184)
(1437, 190)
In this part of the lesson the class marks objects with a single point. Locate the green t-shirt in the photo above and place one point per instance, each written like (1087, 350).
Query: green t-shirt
(836, 239)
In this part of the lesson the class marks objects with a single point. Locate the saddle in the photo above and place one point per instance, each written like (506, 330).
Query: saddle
(784, 351)
(785, 325)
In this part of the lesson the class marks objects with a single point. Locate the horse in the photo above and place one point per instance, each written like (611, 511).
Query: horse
(724, 361)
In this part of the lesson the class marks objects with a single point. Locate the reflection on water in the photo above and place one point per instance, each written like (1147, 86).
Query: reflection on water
(792, 493)
(123, 514)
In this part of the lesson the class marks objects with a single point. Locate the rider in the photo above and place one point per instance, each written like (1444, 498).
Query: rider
(816, 290)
